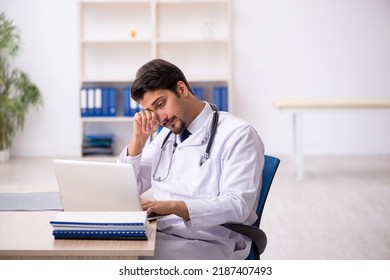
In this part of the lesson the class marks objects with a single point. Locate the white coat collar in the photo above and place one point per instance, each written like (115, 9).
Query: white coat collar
(201, 119)
(199, 127)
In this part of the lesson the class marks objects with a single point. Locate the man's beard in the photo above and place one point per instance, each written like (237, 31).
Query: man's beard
(178, 126)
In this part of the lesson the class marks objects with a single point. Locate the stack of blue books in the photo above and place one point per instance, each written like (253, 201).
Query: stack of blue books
(98, 144)
(101, 225)
(130, 107)
(220, 98)
(98, 102)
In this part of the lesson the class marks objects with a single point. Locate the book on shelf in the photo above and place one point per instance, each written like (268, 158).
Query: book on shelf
(130, 225)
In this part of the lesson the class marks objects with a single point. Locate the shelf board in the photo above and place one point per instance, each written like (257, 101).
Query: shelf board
(159, 41)
(189, 1)
(114, 1)
(112, 79)
(107, 119)
(207, 79)
(116, 41)
(192, 41)
(148, 1)
(120, 79)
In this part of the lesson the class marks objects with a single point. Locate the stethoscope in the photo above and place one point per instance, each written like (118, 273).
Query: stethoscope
(203, 158)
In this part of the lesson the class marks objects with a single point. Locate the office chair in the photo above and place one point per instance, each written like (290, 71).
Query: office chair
(259, 238)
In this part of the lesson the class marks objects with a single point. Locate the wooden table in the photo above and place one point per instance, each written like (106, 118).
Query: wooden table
(297, 108)
(28, 235)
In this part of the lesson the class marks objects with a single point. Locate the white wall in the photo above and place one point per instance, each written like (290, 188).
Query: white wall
(320, 50)
(49, 56)
(316, 49)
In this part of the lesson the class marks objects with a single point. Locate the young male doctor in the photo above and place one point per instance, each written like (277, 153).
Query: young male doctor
(199, 187)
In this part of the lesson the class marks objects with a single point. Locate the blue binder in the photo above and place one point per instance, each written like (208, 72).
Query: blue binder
(198, 91)
(98, 108)
(105, 102)
(112, 102)
(90, 102)
(224, 98)
(220, 98)
(98, 101)
(130, 107)
(126, 101)
(134, 106)
(83, 102)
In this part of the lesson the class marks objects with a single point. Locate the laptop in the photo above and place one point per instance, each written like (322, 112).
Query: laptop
(97, 186)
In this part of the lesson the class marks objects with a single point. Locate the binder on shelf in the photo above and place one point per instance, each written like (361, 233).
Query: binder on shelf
(83, 102)
(90, 102)
(130, 107)
(126, 101)
(112, 102)
(98, 111)
(98, 102)
(224, 98)
(105, 102)
(220, 98)
(198, 91)
(131, 225)
(109, 107)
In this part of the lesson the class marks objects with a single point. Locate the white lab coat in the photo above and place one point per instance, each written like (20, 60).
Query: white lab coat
(224, 189)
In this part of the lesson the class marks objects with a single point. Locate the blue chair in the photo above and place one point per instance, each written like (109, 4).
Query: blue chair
(259, 238)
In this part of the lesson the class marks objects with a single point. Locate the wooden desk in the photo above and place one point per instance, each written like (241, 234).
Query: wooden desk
(28, 235)
(296, 108)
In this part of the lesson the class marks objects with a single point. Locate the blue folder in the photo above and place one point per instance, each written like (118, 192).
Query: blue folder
(220, 98)
(198, 91)
(130, 107)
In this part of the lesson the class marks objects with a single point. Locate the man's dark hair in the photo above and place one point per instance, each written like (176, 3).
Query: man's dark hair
(155, 75)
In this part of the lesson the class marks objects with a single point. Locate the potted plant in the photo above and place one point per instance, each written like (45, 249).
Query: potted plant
(17, 92)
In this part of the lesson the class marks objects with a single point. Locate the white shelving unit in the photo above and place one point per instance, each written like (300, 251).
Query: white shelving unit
(117, 37)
